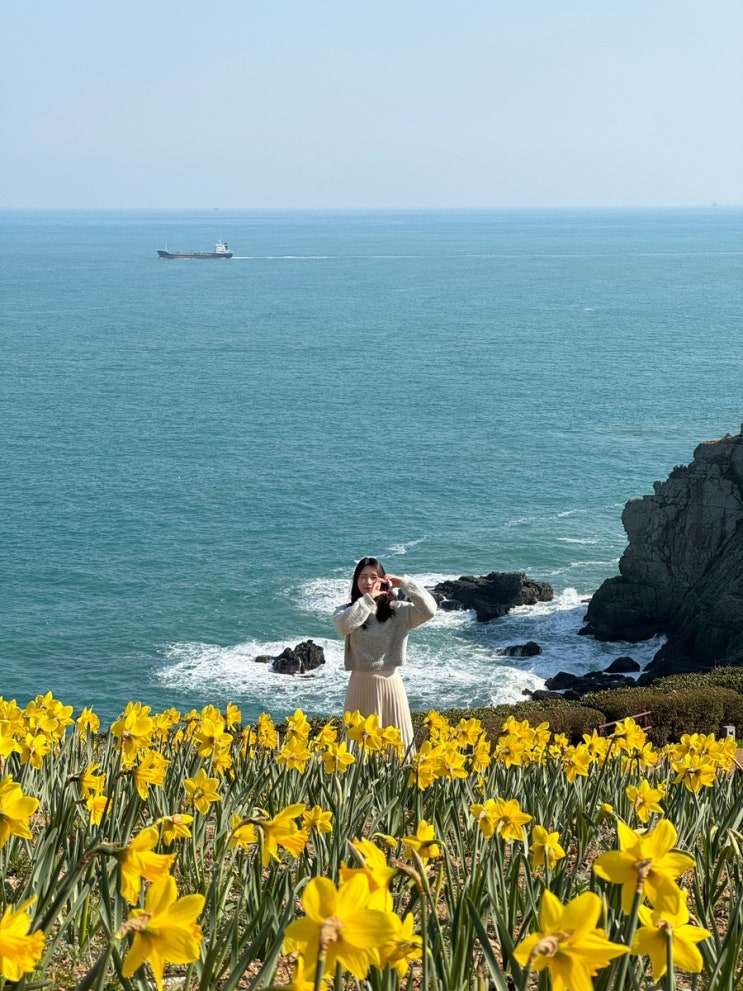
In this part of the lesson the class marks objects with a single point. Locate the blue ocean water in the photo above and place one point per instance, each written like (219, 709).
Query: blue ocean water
(195, 453)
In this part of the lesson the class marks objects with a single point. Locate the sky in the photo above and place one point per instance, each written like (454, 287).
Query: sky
(356, 104)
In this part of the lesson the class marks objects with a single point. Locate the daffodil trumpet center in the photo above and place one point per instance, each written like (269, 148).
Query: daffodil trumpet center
(329, 932)
(643, 871)
(549, 945)
(136, 924)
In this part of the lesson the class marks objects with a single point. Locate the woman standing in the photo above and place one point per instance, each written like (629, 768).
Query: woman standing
(376, 626)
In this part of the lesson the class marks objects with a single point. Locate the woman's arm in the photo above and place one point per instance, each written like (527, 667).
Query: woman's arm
(422, 605)
(349, 618)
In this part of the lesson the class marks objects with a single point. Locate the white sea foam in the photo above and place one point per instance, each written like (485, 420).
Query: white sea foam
(403, 548)
(577, 540)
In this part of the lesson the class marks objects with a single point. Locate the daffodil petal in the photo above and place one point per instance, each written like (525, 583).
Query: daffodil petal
(320, 899)
(581, 915)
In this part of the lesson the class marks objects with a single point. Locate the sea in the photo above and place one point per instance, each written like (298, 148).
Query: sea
(194, 454)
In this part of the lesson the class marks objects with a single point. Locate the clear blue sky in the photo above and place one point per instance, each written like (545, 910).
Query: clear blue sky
(349, 103)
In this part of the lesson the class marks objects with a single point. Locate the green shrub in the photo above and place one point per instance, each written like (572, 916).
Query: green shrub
(618, 703)
(695, 710)
(727, 677)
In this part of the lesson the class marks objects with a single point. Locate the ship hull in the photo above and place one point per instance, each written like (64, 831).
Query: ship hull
(194, 254)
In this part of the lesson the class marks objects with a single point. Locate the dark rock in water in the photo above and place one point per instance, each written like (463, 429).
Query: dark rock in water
(493, 595)
(302, 659)
(623, 665)
(682, 572)
(593, 681)
(540, 695)
(264, 659)
(528, 649)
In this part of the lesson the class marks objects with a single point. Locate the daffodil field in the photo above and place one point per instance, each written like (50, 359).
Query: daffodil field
(188, 851)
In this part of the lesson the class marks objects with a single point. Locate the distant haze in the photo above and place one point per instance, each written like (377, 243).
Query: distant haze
(346, 103)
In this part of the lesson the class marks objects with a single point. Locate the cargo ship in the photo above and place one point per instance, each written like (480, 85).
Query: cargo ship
(221, 250)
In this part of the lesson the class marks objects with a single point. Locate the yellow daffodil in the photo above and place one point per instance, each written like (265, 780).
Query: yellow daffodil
(15, 811)
(597, 746)
(8, 742)
(202, 791)
(327, 737)
(576, 761)
(96, 805)
(481, 758)
(502, 817)
(390, 739)
(138, 860)
(545, 847)
(92, 783)
(366, 733)
(19, 950)
(695, 771)
(424, 842)
(648, 757)
(510, 751)
(645, 799)
(438, 727)
(294, 755)
(242, 833)
(211, 736)
(87, 723)
(426, 765)
(318, 819)
(376, 870)
(657, 929)
(339, 927)
(628, 736)
(403, 947)
(559, 743)
(337, 758)
(282, 831)
(298, 727)
(174, 827)
(164, 931)
(34, 748)
(149, 771)
(265, 732)
(302, 979)
(233, 716)
(568, 943)
(248, 740)
(646, 862)
(134, 730)
(452, 761)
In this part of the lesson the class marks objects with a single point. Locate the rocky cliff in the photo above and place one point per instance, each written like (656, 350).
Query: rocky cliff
(682, 573)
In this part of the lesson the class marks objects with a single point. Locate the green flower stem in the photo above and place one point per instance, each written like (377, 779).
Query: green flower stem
(623, 967)
(670, 976)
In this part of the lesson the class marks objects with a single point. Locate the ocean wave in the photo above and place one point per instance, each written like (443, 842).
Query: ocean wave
(577, 540)
(403, 548)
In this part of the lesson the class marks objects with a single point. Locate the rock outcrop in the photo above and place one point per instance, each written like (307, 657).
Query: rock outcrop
(493, 595)
(302, 659)
(682, 572)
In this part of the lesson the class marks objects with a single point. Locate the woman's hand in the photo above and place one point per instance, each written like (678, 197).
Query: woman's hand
(394, 581)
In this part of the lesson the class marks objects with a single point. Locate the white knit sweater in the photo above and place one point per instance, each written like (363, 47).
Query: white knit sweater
(382, 645)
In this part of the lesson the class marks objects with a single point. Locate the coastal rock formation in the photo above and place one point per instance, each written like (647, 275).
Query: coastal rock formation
(582, 684)
(682, 572)
(493, 595)
(302, 659)
(528, 649)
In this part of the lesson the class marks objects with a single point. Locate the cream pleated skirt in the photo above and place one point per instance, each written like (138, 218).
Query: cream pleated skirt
(381, 693)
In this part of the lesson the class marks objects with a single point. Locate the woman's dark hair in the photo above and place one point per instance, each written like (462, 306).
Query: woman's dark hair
(384, 601)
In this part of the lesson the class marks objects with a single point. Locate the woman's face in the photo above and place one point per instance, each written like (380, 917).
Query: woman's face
(369, 581)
